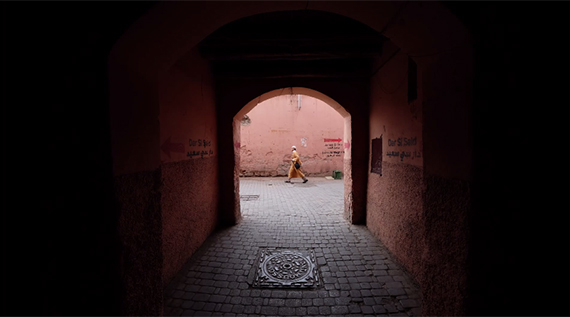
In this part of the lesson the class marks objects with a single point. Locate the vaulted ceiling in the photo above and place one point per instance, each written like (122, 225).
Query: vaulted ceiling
(293, 44)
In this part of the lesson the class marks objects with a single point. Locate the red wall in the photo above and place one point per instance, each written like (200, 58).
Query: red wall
(395, 198)
(189, 188)
(419, 205)
(274, 125)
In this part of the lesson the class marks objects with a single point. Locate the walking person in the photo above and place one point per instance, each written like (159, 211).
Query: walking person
(295, 170)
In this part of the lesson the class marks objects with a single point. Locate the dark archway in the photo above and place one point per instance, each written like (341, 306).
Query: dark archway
(284, 49)
(57, 105)
(155, 89)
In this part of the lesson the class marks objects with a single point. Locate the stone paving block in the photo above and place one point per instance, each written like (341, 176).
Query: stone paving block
(339, 310)
(301, 311)
(217, 298)
(249, 309)
(265, 293)
(293, 302)
(379, 309)
(309, 294)
(209, 306)
(269, 310)
(223, 291)
(313, 310)
(396, 291)
(369, 301)
(390, 308)
(324, 310)
(234, 292)
(286, 311)
(206, 282)
(220, 284)
(238, 309)
(220, 277)
(235, 300)
(354, 309)
(379, 292)
(294, 294)
(342, 300)
(393, 285)
(279, 294)
(333, 293)
(367, 310)
(198, 305)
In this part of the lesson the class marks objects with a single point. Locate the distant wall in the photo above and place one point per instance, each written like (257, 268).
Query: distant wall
(273, 126)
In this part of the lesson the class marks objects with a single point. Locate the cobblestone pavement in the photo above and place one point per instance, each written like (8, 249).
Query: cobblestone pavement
(358, 276)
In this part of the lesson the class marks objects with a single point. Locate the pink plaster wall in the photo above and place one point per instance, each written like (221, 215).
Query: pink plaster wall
(274, 125)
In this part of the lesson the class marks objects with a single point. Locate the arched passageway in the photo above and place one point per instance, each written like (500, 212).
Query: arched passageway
(104, 227)
(347, 137)
(181, 97)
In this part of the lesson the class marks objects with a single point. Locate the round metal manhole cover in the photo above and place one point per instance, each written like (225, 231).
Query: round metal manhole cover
(286, 267)
(280, 268)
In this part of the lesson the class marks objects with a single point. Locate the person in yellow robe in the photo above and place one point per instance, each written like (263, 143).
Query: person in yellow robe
(295, 172)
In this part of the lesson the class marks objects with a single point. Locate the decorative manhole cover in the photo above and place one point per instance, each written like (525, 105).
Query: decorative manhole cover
(249, 197)
(286, 268)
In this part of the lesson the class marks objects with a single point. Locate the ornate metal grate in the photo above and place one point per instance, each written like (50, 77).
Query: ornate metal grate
(286, 268)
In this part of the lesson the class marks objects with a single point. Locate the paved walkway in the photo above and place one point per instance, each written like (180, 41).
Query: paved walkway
(357, 273)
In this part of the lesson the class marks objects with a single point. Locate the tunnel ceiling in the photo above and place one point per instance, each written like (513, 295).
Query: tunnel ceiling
(291, 44)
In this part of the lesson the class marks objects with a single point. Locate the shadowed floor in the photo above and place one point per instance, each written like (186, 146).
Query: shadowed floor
(357, 275)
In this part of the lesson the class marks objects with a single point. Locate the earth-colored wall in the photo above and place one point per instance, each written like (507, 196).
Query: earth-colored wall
(419, 205)
(189, 188)
(395, 198)
(274, 125)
